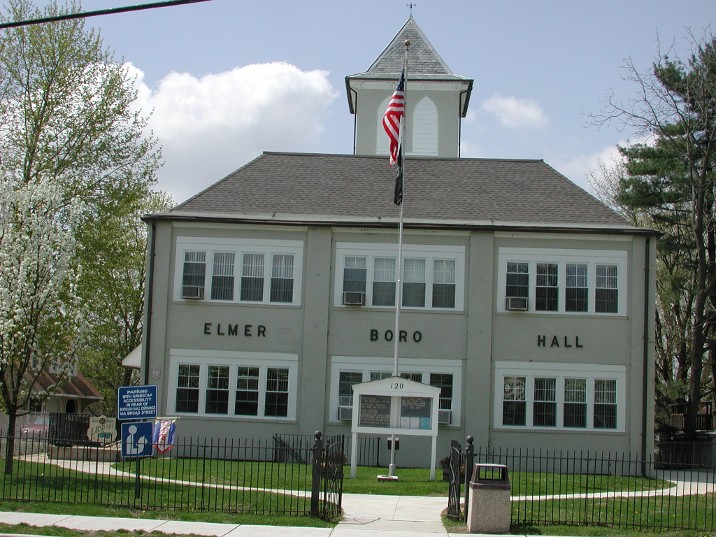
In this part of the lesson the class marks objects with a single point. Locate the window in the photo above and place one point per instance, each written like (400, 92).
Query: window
(282, 278)
(432, 275)
(193, 274)
(576, 298)
(252, 278)
(384, 281)
(217, 392)
(233, 384)
(547, 290)
(187, 395)
(241, 270)
(562, 281)
(545, 406)
(444, 382)
(575, 403)
(444, 283)
(607, 292)
(277, 392)
(414, 283)
(542, 396)
(514, 405)
(605, 404)
(354, 275)
(518, 280)
(222, 279)
(247, 392)
(345, 387)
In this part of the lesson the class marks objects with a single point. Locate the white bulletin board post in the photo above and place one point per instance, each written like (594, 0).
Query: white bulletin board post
(395, 406)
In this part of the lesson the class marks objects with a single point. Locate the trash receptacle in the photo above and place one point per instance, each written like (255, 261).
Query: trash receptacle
(489, 508)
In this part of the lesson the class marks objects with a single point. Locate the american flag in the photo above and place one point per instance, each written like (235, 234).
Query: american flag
(392, 117)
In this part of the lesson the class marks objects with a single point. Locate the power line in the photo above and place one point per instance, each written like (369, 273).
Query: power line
(110, 11)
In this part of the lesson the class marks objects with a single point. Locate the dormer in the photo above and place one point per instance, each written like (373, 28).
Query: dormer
(436, 99)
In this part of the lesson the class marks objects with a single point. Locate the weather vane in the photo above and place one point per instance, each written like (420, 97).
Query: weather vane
(411, 5)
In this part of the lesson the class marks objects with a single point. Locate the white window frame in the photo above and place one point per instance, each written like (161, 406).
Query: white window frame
(424, 366)
(239, 247)
(560, 371)
(562, 258)
(233, 360)
(430, 253)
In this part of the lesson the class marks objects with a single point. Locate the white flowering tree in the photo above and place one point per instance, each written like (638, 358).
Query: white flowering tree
(68, 116)
(41, 320)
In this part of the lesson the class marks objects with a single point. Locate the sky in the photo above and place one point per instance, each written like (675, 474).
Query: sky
(226, 80)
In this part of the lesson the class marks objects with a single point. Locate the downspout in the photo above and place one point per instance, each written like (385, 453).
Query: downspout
(355, 117)
(645, 350)
(150, 293)
(459, 122)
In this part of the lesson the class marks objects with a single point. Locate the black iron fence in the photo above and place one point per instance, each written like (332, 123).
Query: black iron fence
(301, 476)
(551, 487)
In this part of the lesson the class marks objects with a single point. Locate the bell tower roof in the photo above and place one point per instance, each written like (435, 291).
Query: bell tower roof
(424, 63)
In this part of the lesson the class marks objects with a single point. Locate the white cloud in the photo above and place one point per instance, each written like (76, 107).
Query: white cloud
(210, 126)
(515, 113)
(577, 168)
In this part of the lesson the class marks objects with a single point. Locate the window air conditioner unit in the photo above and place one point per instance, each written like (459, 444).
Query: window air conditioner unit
(192, 292)
(516, 303)
(445, 417)
(353, 298)
(345, 413)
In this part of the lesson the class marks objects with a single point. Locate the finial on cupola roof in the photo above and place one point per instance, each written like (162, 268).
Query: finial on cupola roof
(411, 5)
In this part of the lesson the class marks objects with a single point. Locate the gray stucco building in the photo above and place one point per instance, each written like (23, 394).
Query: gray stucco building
(525, 300)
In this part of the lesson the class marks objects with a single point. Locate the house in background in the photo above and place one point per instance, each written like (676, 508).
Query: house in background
(74, 396)
(525, 300)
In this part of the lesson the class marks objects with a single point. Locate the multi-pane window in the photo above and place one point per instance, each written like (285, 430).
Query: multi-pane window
(414, 283)
(282, 278)
(187, 394)
(193, 274)
(444, 382)
(547, 289)
(276, 392)
(544, 411)
(431, 276)
(346, 381)
(217, 390)
(229, 389)
(514, 405)
(577, 292)
(354, 274)
(347, 376)
(444, 283)
(607, 292)
(517, 280)
(222, 278)
(252, 278)
(562, 281)
(384, 281)
(239, 270)
(547, 398)
(575, 403)
(605, 404)
(247, 392)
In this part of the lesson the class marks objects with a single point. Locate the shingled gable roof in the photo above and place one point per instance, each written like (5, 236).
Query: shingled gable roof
(321, 189)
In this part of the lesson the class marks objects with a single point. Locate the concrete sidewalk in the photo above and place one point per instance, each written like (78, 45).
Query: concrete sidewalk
(364, 516)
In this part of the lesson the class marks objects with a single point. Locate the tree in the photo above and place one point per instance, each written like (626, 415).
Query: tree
(113, 282)
(670, 181)
(41, 319)
(67, 118)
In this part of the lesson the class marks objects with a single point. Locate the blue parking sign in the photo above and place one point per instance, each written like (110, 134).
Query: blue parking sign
(136, 402)
(137, 439)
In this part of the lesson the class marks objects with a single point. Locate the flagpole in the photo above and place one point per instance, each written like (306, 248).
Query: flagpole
(399, 280)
